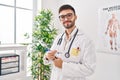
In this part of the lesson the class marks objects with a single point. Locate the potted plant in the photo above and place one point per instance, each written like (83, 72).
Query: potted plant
(43, 35)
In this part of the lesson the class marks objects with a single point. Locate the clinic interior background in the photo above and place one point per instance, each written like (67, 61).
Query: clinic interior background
(108, 65)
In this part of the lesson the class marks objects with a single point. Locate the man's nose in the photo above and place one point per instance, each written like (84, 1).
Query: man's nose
(65, 18)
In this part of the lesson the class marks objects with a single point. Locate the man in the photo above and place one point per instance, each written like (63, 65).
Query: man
(112, 29)
(72, 53)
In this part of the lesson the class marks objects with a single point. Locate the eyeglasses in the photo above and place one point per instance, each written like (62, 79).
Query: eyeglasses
(68, 16)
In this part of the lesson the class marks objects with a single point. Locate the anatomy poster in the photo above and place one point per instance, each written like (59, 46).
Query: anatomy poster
(109, 29)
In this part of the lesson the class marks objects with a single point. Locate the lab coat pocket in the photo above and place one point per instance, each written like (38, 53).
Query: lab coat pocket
(75, 51)
(75, 54)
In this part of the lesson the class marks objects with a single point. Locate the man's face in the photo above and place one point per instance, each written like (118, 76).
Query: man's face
(67, 18)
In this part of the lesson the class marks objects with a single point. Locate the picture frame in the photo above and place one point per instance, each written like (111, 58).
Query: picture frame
(109, 29)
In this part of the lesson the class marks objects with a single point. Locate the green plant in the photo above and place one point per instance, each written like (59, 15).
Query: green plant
(43, 36)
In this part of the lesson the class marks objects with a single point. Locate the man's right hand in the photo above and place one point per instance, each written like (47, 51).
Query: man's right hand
(51, 55)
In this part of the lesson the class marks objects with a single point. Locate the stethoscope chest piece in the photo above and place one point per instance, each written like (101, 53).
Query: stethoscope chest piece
(67, 55)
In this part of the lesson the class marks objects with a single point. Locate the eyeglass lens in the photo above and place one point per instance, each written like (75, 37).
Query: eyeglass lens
(68, 16)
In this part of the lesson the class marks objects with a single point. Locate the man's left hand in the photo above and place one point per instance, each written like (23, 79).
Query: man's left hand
(58, 62)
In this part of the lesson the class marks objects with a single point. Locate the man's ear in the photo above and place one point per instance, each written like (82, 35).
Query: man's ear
(75, 17)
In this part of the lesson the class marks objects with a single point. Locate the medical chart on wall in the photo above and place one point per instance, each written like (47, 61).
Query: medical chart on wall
(109, 29)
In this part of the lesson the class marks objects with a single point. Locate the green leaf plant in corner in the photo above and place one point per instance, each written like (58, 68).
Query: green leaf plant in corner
(43, 36)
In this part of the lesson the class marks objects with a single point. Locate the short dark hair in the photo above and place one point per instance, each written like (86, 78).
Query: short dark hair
(66, 6)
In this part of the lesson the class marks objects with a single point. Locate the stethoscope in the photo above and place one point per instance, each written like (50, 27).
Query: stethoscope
(67, 54)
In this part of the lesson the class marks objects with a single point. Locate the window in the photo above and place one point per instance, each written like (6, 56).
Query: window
(16, 19)
(6, 24)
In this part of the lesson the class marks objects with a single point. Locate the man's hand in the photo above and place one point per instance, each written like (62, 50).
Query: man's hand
(58, 62)
(51, 54)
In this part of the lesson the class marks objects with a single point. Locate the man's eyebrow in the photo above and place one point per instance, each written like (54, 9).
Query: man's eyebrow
(65, 14)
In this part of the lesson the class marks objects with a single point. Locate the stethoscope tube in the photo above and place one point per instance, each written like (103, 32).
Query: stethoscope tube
(67, 54)
(60, 40)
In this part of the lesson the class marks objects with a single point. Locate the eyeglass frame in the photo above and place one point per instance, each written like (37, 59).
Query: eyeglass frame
(68, 16)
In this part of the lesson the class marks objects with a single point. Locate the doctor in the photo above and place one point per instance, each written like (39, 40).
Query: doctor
(72, 54)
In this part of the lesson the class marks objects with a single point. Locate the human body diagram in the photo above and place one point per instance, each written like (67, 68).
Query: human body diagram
(112, 29)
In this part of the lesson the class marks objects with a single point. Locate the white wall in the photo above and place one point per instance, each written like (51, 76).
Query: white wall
(53, 5)
(108, 65)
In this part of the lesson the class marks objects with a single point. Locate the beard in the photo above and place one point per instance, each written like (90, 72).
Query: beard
(69, 24)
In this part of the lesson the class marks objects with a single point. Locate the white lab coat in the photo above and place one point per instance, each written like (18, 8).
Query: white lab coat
(78, 66)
